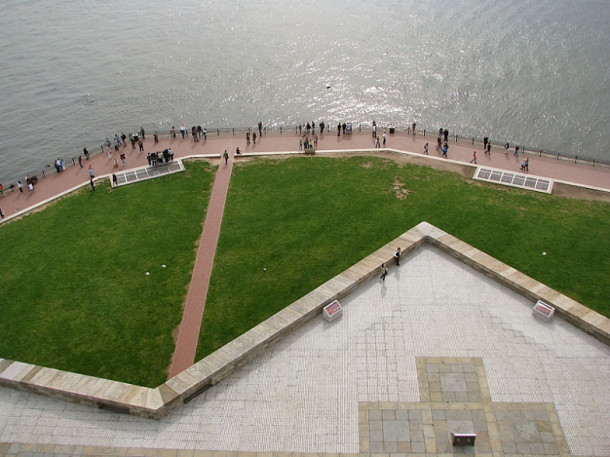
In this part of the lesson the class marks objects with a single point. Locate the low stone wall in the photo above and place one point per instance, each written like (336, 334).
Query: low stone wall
(158, 402)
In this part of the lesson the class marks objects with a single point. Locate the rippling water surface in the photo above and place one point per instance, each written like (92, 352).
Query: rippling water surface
(74, 72)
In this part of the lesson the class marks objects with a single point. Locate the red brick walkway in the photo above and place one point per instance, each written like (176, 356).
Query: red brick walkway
(188, 334)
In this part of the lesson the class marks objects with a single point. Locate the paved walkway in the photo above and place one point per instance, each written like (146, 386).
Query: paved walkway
(188, 334)
(437, 347)
(75, 176)
(391, 376)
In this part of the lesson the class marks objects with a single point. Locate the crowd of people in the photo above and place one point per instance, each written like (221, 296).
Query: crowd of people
(307, 131)
(160, 157)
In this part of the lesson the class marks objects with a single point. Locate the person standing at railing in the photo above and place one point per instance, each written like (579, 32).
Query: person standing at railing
(260, 129)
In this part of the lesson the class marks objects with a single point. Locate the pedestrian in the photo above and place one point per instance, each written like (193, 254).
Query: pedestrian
(142, 133)
(384, 272)
(413, 126)
(445, 149)
(516, 154)
(385, 137)
(489, 147)
(525, 164)
(343, 127)
(300, 145)
(140, 145)
(1, 214)
(225, 156)
(156, 137)
(91, 174)
(182, 130)
(506, 146)
(80, 161)
(253, 137)
(1, 190)
(248, 139)
(115, 181)
(426, 148)
(377, 142)
(20, 186)
(260, 128)
(92, 184)
(199, 131)
(173, 132)
(374, 128)
(31, 187)
(397, 256)
(123, 138)
(339, 129)
(485, 139)
(474, 158)
(321, 127)
(237, 150)
(446, 135)
(86, 153)
(123, 159)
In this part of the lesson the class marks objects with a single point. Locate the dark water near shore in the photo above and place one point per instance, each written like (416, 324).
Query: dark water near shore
(75, 72)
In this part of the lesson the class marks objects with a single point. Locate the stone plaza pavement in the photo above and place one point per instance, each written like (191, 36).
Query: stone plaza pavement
(437, 347)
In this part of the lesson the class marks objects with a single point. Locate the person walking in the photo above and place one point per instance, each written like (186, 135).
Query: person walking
(397, 256)
(20, 186)
(384, 272)
(91, 174)
(474, 158)
(225, 155)
(426, 148)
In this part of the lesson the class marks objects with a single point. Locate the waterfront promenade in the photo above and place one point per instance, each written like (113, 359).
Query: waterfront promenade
(390, 378)
(57, 183)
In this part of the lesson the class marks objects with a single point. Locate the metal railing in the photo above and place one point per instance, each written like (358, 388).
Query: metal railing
(47, 169)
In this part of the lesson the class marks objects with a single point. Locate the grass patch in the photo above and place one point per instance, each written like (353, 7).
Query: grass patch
(76, 297)
(75, 293)
(307, 219)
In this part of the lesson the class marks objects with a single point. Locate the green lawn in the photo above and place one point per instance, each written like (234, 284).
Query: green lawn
(307, 219)
(75, 294)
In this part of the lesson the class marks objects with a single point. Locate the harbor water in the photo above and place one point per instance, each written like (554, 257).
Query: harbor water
(531, 72)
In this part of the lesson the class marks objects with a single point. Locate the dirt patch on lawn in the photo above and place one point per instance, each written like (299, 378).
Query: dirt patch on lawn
(581, 193)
